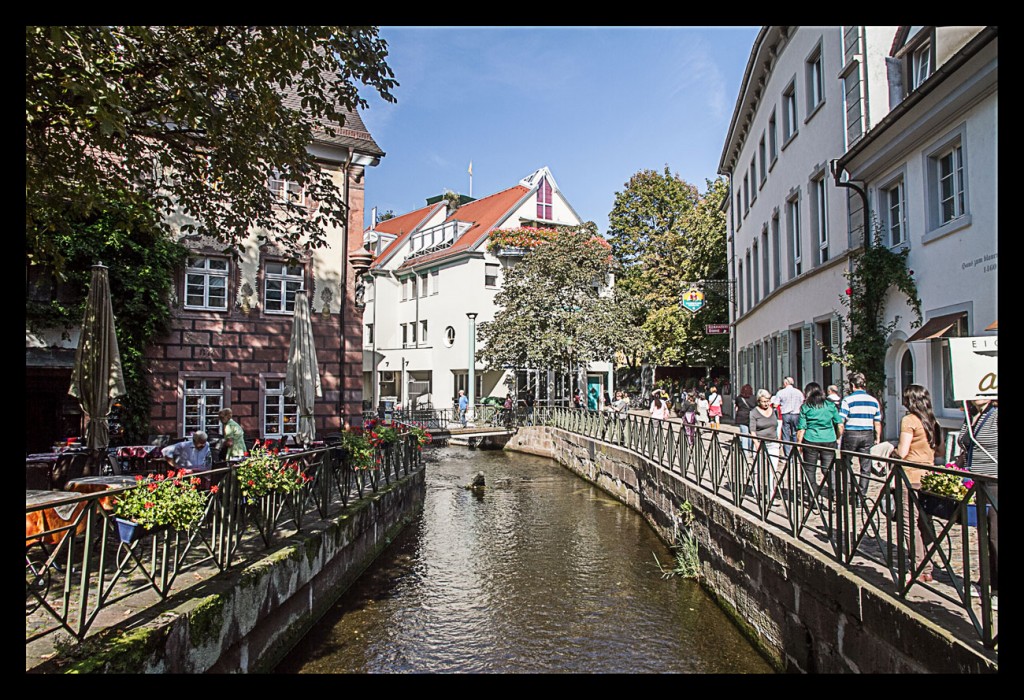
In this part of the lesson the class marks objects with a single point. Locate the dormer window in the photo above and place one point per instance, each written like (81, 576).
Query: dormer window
(285, 190)
(920, 64)
(544, 200)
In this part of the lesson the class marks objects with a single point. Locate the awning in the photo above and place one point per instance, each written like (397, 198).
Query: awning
(994, 326)
(935, 327)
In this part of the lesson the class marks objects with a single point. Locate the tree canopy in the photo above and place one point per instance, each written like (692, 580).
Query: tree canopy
(550, 314)
(190, 119)
(664, 233)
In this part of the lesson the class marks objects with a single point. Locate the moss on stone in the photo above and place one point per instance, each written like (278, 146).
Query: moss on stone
(206, 620)
(120, 653)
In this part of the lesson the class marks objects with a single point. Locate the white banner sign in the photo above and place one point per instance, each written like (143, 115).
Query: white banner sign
(974, 362)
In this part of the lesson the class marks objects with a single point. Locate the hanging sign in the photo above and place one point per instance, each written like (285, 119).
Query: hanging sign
(693, 299)
(974, 362)
(717, 329)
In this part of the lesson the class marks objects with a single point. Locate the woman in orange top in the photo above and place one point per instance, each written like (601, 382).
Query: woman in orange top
(920, 442)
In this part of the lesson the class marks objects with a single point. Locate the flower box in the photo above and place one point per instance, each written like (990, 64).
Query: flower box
(939, 506)
(129, 532)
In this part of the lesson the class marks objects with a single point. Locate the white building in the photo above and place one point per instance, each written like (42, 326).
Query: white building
(431, 271)
(930, 171)
(822, 112)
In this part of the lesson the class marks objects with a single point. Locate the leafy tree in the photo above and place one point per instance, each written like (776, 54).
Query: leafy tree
(664, 233)
(141, 258)
(192, 121)
(550, 315)
(389, 214)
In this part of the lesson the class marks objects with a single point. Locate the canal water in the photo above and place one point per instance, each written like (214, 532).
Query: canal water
(540, 573)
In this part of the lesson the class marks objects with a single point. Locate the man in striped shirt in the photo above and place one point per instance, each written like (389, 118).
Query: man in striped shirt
(862, 424)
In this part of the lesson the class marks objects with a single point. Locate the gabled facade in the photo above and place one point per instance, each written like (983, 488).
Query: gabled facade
(232, 320)
(837, 130)
(930, 171)
(431, 269)
(788, 242)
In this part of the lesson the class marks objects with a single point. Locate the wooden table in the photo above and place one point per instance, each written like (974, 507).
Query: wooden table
(42, 526)
(95, 484)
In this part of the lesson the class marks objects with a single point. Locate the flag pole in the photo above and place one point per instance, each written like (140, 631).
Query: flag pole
(470, 178)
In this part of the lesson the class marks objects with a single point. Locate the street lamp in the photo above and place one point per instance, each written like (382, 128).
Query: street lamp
(472, 366)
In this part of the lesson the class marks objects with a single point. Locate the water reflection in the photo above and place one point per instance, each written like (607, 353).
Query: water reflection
(541, 572)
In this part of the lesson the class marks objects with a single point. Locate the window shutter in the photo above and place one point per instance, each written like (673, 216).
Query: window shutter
(807, 353)
(784, 353)
(836, 340)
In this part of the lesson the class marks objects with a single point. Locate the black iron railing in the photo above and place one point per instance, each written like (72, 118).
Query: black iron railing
(77, 566)
(849, 516)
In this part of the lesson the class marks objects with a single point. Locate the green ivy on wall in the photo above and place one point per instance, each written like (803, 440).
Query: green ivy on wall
(874, 272)
(142, 262)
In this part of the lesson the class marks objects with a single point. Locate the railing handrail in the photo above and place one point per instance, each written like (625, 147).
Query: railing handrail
(713, 459)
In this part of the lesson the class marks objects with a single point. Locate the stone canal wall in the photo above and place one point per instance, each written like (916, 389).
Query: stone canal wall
(803, 610)
(246, 620)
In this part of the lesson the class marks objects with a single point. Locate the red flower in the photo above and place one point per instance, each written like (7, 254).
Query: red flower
(214, 488)
(251, 482)
(151, 487)
(138, 477)
(170, 473)
(849, 291)
(149, 504)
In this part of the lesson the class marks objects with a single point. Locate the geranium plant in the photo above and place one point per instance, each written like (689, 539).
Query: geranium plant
(946, 484)
(357, 446)
(421, 435)
(173, 499)
(380, 434)
(263, 472)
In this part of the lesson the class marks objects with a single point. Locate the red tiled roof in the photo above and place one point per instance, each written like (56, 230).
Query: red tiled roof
(402, 226)
(484, 213)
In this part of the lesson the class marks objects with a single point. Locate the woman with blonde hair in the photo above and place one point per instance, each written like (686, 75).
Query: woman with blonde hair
(765, 424)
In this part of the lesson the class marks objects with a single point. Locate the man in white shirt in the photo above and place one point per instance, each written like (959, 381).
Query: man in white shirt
(191, 454)
(789, 399)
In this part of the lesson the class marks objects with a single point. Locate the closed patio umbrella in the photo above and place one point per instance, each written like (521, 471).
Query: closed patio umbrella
(96, 379)
(303, 378)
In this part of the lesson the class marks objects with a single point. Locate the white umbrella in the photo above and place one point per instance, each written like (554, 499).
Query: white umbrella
(303, 378)
(96, 380)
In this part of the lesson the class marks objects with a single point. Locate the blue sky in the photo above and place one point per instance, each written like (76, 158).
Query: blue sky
(594, 104)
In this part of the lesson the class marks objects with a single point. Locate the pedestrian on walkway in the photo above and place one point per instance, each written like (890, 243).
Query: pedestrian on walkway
(659, 409)
(463, 406)
(833, 395)
(979, 444)
(862, 425)
(702, 411)
(688, 410)
(744, 404)
(789, 399)
(817, 430)
(714, 407)
(232, 441)
(765, 425)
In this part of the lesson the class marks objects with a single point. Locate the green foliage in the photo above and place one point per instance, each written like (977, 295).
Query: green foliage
(356, 445)
(526, 237)
(687, 564)
(191, 120)
(875, 272)
(664, 233)
(550, 314)
(171, 499)
(263, 472)
(142, 262)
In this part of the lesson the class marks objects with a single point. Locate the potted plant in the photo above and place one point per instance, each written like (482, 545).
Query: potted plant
(158, 501)
(262, 472)
(421, 436)
(942, 492)
(357, 446)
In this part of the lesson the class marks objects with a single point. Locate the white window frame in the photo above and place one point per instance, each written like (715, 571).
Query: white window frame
(205, 397)
(204, 275)
(368, 334)
(405, 335)
(773, 138)
(756, 261)
(405, 289)
(285, 190)
(819, 197)
(423, 285)
(938, 222)
(815, 76)
(739, 208)
(951, 190)
(423, 332)
(919, 64)
(739, 282)
(284, 408)
(545, 204)
(753, 179)
(750, 303)
(776, 250)
(284, 279)
(793, 230)
(766, 286)
(491, 280)
(892, 211)
(746, 194)
(762, 157)
(790, 114)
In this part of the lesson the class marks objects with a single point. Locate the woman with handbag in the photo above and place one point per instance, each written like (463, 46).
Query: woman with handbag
(714, 407)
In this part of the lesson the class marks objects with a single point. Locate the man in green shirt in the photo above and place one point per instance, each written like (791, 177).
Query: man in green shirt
(232, 437)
